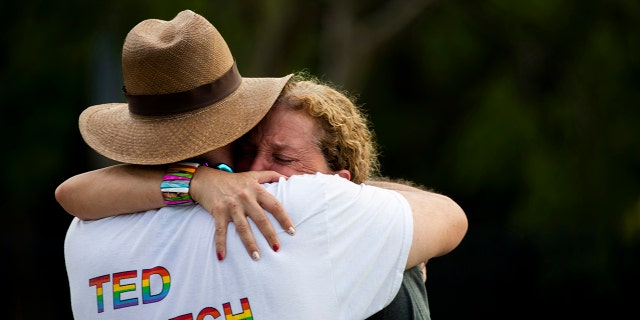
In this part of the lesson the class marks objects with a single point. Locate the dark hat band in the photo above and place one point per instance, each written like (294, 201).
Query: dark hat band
(179, 102)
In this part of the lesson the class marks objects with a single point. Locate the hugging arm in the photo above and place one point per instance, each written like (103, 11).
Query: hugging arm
(439, 223)
(110, 191)
(126, 188)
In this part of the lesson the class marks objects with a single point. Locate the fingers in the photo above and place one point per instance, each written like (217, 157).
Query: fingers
(267, 176)
(232, 213)
(264, 225)
(243, 228)
(273, 206)
(238, 197)
(238, 214)
(220, 238)
(246, 236)
(268, 202)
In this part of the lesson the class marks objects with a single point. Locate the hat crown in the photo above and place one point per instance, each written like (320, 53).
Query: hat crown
(184, 93)
(160, 57)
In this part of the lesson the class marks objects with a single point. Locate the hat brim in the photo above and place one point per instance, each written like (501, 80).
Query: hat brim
(112, 131)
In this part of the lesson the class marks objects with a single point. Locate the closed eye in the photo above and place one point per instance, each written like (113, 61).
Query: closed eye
(282, 159)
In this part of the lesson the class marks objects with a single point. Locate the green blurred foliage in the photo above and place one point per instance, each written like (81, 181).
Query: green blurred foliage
(525, 113)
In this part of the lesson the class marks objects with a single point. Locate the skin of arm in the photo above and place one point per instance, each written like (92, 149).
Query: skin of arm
(439, 223)
(122, 189)
(126, 188)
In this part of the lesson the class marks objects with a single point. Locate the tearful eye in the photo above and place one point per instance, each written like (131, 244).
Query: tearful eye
(282, 159)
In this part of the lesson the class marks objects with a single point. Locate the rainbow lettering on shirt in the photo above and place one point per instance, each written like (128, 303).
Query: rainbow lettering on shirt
(124, 284)
(119, 289)
(246, 311)
(210, 312)
(98, 282)
(147, 297)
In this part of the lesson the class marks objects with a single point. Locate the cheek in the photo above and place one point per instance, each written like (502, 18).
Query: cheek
(285, 170)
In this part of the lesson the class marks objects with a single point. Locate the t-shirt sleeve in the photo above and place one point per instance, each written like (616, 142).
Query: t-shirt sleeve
(370, 230)
(360, 236)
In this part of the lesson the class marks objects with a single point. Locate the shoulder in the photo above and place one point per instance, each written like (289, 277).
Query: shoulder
(302, 183)
(336, 194)
(330, 187)
(318, 178)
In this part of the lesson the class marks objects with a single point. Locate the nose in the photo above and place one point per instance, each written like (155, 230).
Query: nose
(259, 163)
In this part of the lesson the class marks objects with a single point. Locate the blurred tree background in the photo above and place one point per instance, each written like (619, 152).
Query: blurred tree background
(524, 112)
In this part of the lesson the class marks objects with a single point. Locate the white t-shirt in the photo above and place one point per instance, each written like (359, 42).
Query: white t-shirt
(346, 260)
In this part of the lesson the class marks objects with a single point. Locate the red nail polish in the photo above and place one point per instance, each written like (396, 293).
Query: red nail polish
(276, 247)
(219, 256)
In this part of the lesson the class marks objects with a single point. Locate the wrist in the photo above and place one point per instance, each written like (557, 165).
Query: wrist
(176, 183)
(180, 183)
(200, 176)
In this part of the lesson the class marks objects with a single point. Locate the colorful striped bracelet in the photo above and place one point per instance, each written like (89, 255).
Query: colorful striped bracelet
(175, 183)
(177, 180)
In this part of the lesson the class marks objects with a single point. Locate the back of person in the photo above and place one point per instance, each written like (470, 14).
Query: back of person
(346, 260)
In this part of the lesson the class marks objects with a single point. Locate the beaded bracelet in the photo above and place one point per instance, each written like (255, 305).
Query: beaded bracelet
(175, 183)
(177, 180)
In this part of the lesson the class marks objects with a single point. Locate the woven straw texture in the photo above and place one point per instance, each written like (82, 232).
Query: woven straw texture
(160, 57)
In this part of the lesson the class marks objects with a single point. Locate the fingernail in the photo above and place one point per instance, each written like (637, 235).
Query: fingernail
(219, 256)
(255, 256)
(276, 247)
(291, 231)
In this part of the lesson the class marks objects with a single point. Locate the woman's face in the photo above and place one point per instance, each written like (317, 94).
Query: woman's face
(285, 142)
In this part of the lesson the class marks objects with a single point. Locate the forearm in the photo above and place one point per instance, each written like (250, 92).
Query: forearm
(111, 191)
(439, 222)
(228, 197)
(439, 225)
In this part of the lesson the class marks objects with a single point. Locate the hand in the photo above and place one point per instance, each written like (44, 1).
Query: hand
(232, 197)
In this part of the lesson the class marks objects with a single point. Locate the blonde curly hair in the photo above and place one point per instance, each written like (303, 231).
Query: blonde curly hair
(346, 140)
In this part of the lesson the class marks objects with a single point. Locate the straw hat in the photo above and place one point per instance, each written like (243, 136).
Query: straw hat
(184, 95)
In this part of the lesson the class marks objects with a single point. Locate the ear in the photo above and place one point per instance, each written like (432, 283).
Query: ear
(345, 174)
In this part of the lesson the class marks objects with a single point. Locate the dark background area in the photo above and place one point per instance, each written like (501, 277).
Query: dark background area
(524, 112)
